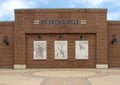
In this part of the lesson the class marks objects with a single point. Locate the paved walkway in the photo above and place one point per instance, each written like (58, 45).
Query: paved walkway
(60, 77)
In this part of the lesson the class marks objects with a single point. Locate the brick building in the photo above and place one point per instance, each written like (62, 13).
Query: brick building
(69, 38)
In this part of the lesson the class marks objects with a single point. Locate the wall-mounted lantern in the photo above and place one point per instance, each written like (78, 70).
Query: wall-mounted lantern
(114, 40)
(82, 37)
(60, 37)
(5, 40)
(39, 37)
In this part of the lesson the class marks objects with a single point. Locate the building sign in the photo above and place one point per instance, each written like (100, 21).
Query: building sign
(60, 50)
(40, 51)
(60, 21)
(81, 49)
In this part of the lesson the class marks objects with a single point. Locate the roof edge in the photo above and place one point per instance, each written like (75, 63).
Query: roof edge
(61, 8)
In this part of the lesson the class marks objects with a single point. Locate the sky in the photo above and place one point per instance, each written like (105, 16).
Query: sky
(7, 6)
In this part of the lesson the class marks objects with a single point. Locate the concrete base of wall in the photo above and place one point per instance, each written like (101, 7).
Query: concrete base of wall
(23, 66)
(19, 66)
(101, 65)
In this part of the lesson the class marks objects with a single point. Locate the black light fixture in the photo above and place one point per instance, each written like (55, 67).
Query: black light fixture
(5, 40)
(114, 40)
(39, 37)
(81, 37)
(60, 37)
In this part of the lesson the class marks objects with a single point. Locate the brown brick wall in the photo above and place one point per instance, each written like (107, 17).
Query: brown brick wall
(71, 61)
(96, 24)
(114, 49)
(23, 32)
(6, 52)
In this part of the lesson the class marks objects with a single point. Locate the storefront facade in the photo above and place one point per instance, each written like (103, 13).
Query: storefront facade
(59, 38)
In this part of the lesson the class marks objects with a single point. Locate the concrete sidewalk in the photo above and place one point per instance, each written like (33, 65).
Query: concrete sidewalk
(60, 77)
